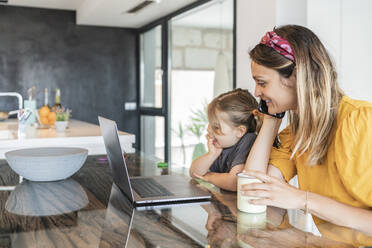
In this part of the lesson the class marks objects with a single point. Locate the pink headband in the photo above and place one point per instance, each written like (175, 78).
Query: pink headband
(282, 46)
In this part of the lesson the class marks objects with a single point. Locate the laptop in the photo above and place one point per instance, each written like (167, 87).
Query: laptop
(164, 189)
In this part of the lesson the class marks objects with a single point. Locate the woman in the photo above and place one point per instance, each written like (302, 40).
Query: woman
(328, 142)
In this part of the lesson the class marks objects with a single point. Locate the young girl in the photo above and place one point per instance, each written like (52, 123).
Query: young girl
(231, 133)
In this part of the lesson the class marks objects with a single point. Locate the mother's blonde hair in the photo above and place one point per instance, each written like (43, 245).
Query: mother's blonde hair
(318, 92)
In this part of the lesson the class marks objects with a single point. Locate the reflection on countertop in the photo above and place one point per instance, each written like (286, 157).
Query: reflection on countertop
(108, 219)
(46, 198)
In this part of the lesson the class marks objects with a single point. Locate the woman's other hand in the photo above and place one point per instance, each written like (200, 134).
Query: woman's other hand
(273, 192)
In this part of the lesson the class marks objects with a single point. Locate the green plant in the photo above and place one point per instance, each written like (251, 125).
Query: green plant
(196, 129)
(181, 134)
(199, 116)
(199, 123)
(199, 150)
(63, 114)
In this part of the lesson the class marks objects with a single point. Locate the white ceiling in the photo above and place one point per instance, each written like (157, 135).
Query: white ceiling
(108, 12)
(112, 12)
(50, 4)
(216, 14)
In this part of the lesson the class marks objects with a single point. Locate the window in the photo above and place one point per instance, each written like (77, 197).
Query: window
(186, 59)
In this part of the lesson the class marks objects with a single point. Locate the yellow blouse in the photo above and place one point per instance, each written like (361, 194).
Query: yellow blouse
(346, 173)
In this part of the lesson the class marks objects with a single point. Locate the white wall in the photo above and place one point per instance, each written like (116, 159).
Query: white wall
(356, 48)
(291, 12)
(345, 29)
(343, 26)
(254, 18)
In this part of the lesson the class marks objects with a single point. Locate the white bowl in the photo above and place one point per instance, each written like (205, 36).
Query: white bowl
(46, 163)
(60, 126)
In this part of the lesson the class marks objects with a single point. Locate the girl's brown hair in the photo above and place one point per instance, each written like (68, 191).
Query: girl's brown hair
(318, 92)
(239, 105)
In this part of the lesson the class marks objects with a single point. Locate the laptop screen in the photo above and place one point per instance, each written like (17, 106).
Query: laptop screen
(115, 156)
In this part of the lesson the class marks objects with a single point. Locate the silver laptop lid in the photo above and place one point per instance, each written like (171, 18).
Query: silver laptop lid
(115, 156)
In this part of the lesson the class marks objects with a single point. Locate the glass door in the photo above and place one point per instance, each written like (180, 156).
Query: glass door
(201, 48)
(151, 92)
(186, 59)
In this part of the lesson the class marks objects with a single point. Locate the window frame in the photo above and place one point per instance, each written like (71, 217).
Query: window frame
(164, 23)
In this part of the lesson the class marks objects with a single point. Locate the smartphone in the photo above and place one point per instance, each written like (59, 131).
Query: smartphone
(262, 107)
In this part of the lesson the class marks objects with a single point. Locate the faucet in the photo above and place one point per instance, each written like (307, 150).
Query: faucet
(22, 114)
(19, 96)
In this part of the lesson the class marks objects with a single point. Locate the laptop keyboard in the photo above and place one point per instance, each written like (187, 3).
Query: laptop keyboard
(148, 187)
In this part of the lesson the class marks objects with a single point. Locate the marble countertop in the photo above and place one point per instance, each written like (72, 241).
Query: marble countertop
(78, 134)
(88, 210)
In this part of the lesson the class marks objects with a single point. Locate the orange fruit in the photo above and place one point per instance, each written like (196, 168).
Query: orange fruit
(44, 111)
(52, 118)
(44, 120)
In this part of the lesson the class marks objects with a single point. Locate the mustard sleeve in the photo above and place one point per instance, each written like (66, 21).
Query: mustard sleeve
(280, 157)
(353, 154)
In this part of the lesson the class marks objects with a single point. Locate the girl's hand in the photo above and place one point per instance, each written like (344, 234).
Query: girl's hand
(199, 176)
(204, 178)
(213, 148)
(273, 192)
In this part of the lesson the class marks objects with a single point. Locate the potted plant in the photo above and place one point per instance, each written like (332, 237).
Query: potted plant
(62, 118)
(199, 123)
(181, 135)
(199, 149)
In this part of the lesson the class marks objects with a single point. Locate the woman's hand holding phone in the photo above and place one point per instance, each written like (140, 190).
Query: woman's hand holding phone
(262, 107)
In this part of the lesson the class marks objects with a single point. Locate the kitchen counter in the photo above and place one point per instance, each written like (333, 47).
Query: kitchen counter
(88, 210)
(78, 134)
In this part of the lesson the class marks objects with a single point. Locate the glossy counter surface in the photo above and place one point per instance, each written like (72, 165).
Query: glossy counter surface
(87, 210)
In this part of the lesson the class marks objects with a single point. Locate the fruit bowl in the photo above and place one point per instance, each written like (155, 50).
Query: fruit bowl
(46, 163)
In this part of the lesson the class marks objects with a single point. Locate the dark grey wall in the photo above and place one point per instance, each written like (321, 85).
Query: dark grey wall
(95, 67)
